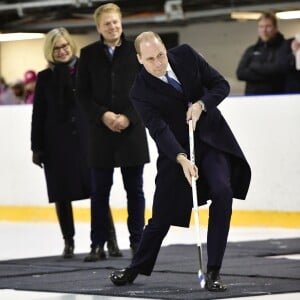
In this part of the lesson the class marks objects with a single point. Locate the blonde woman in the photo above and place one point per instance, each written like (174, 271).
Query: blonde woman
(58, 135)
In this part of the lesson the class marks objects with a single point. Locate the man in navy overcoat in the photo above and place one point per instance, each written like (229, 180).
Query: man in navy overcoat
(220, 163)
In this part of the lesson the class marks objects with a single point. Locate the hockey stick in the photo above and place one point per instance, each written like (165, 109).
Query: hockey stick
(201, 276)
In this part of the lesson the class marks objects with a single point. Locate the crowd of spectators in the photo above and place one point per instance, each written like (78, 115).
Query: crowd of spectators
(267, 67)
(20, 91)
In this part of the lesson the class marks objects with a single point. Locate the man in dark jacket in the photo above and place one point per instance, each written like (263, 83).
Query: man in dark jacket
(224, 171)
(287, 62)
(117, 137)
(259, 64)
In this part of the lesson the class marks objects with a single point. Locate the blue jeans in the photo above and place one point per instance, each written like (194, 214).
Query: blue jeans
(102, 180)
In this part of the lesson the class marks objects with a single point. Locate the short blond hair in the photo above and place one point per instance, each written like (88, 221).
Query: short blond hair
(146, 36)
(271, 16)
(51, 38)
(106, 8)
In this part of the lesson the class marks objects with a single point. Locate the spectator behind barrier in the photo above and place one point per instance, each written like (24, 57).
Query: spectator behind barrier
(287, 62)
(259, 66)
(29, 84)
(18, 88)
(7, 95)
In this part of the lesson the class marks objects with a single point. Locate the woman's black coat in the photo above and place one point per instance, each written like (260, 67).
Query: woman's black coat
(287, 63)
(59, 130)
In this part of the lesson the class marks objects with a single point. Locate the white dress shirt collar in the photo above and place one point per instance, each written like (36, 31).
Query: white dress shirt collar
(170, 73)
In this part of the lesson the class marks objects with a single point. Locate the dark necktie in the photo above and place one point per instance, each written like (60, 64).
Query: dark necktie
(175, 84)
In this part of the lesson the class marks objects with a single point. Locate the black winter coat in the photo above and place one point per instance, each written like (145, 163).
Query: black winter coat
(59, 131)
(163, 109)
(287, 64)
(103, 84)
(259, 67)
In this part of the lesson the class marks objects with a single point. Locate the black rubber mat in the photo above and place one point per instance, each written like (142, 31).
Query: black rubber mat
(250, 268)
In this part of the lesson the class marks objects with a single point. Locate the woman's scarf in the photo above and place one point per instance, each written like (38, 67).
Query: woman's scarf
(64, 81)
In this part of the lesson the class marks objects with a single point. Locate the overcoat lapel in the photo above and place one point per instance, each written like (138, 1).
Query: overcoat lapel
(181, 72)
(161, 86)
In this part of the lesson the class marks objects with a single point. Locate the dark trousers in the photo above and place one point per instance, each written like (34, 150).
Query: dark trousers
(214, 167)
(65, 217)
(102, 180)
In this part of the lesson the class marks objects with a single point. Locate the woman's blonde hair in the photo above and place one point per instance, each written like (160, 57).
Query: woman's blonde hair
(51, 39)
(106, 8)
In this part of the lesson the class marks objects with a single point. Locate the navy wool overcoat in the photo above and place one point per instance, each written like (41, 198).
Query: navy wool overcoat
(163, 111)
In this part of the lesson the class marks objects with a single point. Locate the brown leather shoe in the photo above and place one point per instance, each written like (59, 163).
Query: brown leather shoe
(124, 276)
(213, 282)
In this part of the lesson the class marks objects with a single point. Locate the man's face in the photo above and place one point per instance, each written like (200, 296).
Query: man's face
(266, 29)
(153, 55)
(110, 27)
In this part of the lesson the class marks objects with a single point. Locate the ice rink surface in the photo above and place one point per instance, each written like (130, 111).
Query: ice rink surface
(36, 239)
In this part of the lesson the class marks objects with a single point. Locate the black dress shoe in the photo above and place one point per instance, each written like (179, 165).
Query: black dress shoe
(124, 276)
(95, 254)
(68, 251)
(213, 282)
(113, 249)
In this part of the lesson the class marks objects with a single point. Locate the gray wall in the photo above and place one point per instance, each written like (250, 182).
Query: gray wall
(221, 43)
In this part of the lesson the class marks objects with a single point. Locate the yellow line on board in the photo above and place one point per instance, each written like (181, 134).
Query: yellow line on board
(82, 214)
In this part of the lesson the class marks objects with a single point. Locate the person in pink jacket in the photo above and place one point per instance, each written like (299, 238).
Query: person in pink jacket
(29, 85)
